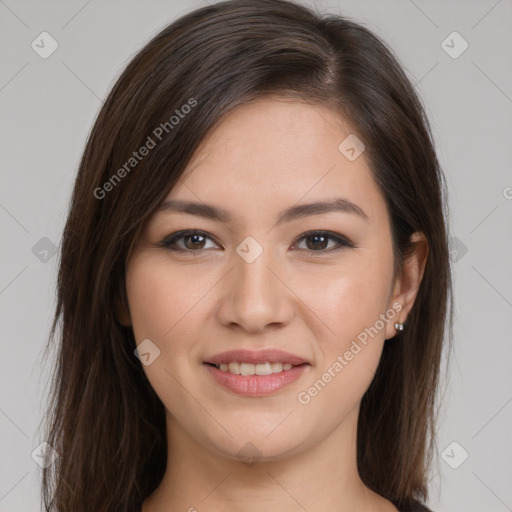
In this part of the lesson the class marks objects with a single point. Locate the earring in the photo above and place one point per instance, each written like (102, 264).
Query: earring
(399, 326)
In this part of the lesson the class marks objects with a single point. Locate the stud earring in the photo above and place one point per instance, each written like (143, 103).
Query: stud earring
(399, 326)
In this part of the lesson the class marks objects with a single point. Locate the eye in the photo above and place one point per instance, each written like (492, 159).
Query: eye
(320, 241)
(194, 241)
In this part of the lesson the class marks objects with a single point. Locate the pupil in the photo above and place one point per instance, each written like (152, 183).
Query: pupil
(317, 237)
(194, 238)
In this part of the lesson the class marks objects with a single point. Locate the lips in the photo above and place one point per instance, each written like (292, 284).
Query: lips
(261, 356)
(256, 385)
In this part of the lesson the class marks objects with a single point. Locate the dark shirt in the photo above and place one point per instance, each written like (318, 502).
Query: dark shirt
(414, 506)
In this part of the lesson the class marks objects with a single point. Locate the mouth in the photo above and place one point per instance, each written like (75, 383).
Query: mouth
(256, 374)
(252, 384)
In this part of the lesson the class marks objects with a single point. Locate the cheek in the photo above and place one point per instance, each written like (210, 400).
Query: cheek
(149, 301)
(350, 298)
(351, 304)
(350, 348)
(161, 299)
(162, 304)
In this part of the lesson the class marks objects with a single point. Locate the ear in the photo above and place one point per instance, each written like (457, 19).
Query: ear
(122, 313)
(406, 287)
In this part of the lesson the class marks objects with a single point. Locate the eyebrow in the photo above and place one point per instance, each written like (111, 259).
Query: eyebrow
(291, 213)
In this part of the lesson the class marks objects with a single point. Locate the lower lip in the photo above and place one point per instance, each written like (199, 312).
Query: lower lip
(256, 385)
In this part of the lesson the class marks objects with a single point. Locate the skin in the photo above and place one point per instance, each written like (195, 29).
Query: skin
(263, 157)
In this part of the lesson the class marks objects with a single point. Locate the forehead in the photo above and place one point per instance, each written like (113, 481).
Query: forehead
(278, 152)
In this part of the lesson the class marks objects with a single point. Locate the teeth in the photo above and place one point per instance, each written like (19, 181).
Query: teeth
(254, 369)
(233, 368)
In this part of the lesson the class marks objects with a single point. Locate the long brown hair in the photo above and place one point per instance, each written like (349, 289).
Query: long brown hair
(104, 419)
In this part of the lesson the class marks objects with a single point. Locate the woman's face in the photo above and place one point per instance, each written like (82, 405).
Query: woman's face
(250, 281)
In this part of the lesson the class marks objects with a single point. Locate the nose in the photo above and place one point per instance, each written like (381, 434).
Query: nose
(256, 295)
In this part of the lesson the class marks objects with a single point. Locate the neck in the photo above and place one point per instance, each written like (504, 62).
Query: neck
(323, 477)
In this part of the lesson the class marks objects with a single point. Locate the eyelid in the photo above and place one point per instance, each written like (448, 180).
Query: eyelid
(342, 241)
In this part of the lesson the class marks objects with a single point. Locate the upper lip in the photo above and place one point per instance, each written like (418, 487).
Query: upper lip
(255, 357)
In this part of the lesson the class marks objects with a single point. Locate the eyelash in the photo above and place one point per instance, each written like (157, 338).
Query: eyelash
(169, 242)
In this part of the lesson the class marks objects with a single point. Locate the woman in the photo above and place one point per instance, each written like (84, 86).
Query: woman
(254, 276)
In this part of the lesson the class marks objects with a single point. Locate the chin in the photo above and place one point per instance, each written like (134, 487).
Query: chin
(259, 447)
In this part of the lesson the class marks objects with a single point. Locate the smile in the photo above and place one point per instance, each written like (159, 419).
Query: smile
(254, 369)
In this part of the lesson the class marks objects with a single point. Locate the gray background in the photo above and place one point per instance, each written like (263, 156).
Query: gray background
(48, 107)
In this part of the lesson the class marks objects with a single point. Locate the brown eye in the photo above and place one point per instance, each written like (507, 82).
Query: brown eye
(193, 241)
(318, 241)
